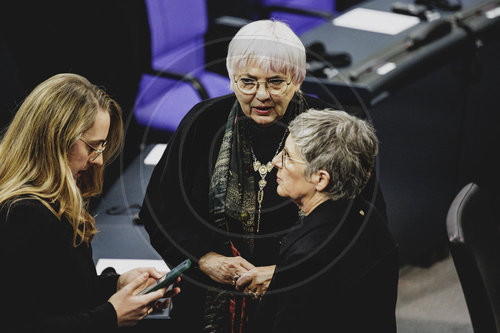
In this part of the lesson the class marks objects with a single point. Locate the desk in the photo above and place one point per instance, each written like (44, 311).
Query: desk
(119, 236)
(364, 46)
(436, 127)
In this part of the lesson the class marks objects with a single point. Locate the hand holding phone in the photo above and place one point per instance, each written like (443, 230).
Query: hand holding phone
(168, 278)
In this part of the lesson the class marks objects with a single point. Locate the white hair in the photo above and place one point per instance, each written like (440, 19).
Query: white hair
(269, 45)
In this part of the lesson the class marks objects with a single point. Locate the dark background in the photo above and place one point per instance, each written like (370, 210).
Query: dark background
(105, 41)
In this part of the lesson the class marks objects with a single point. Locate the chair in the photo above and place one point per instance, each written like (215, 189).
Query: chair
(474, 241)
(177, 78)
(301, 15)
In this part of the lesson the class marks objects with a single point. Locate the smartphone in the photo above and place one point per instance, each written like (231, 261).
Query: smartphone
(168, 278)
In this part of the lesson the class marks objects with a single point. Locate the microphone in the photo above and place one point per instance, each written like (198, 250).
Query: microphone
(421, 36)
(317, 52)
(317, 47)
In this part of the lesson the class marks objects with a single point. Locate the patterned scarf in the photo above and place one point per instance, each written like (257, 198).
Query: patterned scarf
(232, 198)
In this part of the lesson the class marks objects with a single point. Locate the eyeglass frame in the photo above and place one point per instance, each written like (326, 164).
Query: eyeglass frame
(96, 151)
(284, 159)
(257, 86)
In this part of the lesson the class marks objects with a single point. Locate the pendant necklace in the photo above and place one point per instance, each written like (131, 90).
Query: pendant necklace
(263, 170)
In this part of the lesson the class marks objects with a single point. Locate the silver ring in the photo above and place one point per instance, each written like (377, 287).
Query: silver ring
(235, 278)
(254, 294)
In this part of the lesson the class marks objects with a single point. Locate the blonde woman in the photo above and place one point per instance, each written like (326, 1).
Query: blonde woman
(53, 157)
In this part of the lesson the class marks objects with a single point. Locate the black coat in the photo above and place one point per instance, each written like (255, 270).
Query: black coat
(175, 207)
(49, 285)
(337, 272)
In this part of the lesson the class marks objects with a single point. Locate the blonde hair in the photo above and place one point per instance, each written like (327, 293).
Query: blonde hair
(36, 148)
(269, 45)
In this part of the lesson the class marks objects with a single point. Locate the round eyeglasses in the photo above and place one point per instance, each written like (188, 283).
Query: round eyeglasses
(95, 151)
(249, 86)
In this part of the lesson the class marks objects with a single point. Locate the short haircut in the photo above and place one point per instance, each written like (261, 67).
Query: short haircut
(341, 144)
(270, 45)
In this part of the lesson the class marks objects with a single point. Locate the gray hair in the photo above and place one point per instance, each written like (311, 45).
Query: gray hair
(339, 143)
(270, 45)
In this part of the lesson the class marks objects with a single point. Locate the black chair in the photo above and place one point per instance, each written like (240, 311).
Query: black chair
(474, 241)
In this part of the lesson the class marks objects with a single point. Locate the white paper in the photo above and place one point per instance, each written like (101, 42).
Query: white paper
(123, 265)
(493, 13)
(155, 154)
(376, 21)
(386, 68)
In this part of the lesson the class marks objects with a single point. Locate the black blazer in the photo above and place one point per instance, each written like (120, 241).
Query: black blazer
(49, 285)
(337, 272)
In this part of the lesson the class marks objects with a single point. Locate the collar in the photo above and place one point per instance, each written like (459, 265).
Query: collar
(333, 214)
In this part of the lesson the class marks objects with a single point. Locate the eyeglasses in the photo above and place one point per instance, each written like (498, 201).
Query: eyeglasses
(285, 158)
(249, 86)
(96, 151)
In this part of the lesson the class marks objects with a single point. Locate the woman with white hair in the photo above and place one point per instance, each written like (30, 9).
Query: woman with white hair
(338, 268)
(211, 197)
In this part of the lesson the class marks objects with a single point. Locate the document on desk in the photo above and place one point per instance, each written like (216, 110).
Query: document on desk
(376, 21)
(155, 154)
(123, 265)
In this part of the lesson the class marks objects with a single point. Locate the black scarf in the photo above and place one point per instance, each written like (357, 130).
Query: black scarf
(232, 199)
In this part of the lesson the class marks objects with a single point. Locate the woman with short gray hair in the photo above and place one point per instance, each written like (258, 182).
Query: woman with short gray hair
(338, 268)
(342, 144)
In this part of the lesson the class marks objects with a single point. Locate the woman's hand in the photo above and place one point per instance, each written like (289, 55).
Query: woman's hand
(222, 269)
(129, 307)
(129, 276)
(164, 303)
(256, 281)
